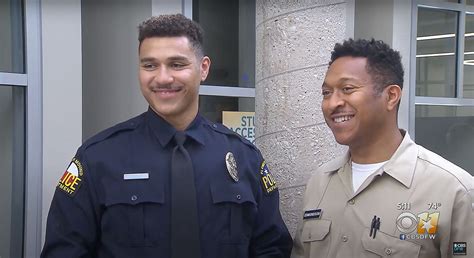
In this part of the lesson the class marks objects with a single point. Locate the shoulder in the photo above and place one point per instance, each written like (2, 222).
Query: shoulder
(444, 169)
(230, 135)
(118, 129)
(331, 166)
(320, 178)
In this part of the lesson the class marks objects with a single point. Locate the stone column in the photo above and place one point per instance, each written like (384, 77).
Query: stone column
(293, 45)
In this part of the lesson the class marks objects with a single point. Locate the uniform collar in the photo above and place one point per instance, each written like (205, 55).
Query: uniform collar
(401, 166)
(165, 132)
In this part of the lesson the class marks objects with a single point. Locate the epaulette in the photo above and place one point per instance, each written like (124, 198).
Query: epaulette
(130, 124)
(220, 128)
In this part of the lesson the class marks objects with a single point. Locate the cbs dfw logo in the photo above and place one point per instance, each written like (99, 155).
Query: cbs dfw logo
(421, 226)
(460, 248)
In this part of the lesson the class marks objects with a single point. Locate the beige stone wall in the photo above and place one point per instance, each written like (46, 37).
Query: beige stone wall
(293, 46)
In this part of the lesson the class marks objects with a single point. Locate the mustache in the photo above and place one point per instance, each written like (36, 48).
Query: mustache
(338, 111)
(164, 87)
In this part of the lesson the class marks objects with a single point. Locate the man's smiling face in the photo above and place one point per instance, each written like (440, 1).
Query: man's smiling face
(352, 108)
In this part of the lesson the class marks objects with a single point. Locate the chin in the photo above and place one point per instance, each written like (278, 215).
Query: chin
(343, 140)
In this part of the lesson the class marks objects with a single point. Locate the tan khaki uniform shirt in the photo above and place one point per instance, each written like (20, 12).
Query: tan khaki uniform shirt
(424, 203)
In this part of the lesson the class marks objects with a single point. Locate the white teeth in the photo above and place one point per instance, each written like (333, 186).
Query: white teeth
(342, 119)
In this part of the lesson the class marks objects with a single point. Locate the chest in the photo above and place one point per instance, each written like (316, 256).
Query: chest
(414, 212)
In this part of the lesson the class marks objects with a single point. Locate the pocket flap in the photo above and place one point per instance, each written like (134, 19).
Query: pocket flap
(315, 230)
(134, 192)
(384, 245)
(235, 192)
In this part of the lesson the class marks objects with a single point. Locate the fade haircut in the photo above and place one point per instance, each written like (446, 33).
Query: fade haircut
(384, 64)
(173, 25)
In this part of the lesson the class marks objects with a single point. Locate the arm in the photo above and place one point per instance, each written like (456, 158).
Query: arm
(462, 224)
(298, 250)
(270, 236)
(72, 225)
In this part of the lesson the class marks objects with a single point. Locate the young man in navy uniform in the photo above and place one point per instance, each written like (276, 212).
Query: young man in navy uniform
(167, 183)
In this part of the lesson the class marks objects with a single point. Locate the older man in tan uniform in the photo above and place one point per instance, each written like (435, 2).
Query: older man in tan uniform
(388, 196)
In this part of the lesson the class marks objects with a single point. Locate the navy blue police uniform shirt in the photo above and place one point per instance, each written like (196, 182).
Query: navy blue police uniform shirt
(96, 212)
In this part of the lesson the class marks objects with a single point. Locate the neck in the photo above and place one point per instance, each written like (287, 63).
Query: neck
(379, 149)
(181, 122)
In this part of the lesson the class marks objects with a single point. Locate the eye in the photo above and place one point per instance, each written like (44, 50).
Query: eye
(148, 66)
(177, 66)
(348, 89)
(325, 92)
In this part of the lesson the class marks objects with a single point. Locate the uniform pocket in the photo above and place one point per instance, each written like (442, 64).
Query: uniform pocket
(384, 245)
(132, 213)
(235, 205)
(315, 237)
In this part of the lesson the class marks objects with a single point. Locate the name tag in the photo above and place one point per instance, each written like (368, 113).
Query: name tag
(136, 176)
(313, 214)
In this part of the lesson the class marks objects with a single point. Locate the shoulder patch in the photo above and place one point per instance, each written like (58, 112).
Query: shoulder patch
(267, 180)
(71, 180)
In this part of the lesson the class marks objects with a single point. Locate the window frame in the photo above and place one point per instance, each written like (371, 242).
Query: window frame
(217, 90)
(31, 81)
(463, 9)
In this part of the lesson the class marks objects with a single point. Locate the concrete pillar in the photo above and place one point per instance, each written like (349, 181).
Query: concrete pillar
(293, 46)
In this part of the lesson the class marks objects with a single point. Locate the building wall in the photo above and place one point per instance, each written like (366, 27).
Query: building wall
(111, 91)
(294, 43)
(62, 90)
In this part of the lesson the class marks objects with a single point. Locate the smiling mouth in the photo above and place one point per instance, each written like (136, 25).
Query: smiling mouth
(342, 119)
(166, 90)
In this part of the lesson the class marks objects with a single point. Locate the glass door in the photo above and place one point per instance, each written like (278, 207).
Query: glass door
(20, 119)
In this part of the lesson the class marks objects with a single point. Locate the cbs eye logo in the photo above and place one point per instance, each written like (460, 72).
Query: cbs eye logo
(424, 223)
(406, 222)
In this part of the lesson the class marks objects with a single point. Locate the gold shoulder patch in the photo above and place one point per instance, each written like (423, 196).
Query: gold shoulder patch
(71, 180)
(268, 182)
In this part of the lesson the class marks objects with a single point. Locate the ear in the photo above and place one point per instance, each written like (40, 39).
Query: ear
(393, 95)
(205, 65)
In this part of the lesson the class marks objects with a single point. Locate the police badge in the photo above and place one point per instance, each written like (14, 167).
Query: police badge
(231, 166)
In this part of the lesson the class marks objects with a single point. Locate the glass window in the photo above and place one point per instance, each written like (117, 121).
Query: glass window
(448, 131)
(11, 36)
(229, 40)
(436, 53)
(468, 90)
(11, 171)
(212, 107)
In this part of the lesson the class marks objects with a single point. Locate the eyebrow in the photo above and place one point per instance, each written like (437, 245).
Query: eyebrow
(173, 58)
(339, 81)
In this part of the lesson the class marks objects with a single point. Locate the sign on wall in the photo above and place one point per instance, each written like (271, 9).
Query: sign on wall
(242, 123)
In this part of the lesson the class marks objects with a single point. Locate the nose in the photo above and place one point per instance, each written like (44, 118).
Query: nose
(334, 101)
(163, 76)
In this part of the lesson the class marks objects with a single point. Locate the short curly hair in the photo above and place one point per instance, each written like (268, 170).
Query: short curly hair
(173, 25)
(384, 64)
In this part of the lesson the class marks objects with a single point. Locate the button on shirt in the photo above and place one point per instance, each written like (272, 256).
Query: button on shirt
(423, 201)
(110, 216)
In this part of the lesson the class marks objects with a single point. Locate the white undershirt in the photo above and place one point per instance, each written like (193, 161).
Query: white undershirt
(360, 172)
